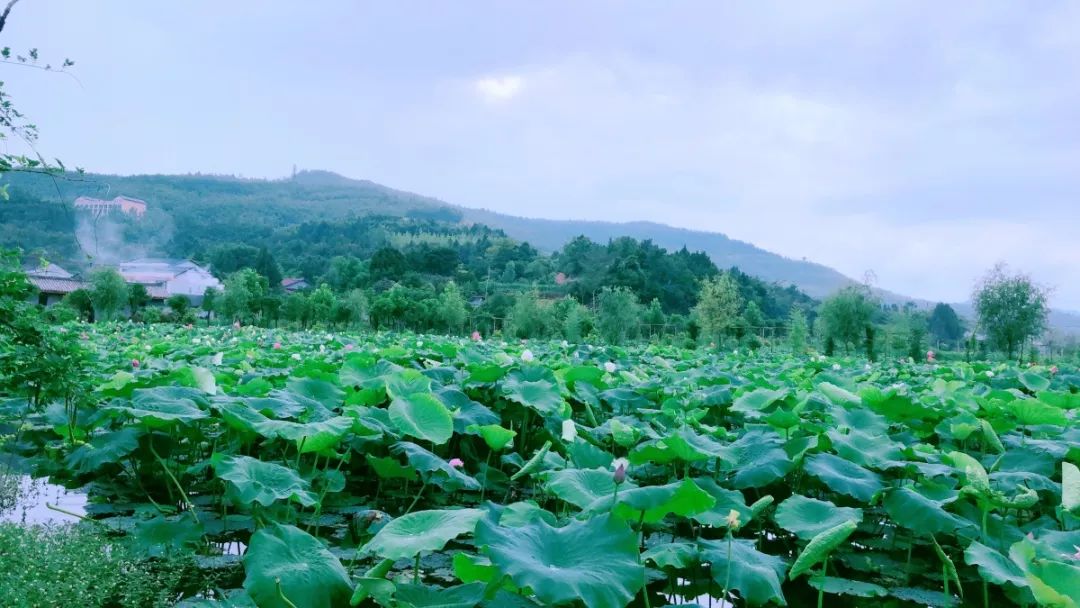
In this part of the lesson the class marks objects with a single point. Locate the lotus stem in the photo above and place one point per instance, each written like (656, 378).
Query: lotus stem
(176, 482)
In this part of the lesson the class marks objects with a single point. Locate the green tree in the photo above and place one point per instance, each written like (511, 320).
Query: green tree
(577, 321)
(108, 292)
(81, 302)
(945, 325)
(797, 331)
(617, 314)
(267, 266)
(528, 317)
(452, 311)
(322, 303)
(296, 310)
(846, 314)
(244, 291)
(210, 302)
(352, 309)
(137, 297)
(179, 304)
(1011, 309)
(718, 306)
(654, 318)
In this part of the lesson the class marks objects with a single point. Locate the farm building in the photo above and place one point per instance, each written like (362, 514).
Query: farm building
(168, 277)
(52, 283)
(294, 284)
(120, 204)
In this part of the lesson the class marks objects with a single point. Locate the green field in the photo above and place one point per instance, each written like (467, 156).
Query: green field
(280, 469)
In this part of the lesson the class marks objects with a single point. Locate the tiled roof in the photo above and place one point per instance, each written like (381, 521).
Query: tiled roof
(56, 284)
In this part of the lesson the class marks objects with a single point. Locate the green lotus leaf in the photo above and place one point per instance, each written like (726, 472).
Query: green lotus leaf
(920, 514)
(436, 470)
(163, 406)
(534, 387)
(427, 596)
(673, 555)
(843, 586)
(283, 561)
(808, 517)
(583, 487)
(1070, 488)
(820, 547)
(496, 437)
(844, 476)
(107, 448)
(593, 561)
(758, 459)
(423, 416)
(326, 393)
(994, 566)
(755, 575)
(654, 503)
(252, 480)
(421, 531)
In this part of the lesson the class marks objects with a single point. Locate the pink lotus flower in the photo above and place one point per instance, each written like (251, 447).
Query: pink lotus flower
(619, 465)
(476, 336)
(84, 336)
(236, 325)
(1053, 370)
(348, 347)
(277, 345)
(930, 356)
(134, 363)
(457, 463)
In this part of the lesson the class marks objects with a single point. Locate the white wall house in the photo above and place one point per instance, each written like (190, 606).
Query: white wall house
(173, 277)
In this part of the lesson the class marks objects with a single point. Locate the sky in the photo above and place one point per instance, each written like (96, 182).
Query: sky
(923, 141)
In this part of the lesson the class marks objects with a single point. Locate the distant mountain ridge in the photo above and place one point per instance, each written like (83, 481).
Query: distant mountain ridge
(315, 194)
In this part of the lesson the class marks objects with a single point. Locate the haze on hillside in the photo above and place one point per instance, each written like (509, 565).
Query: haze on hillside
(919, 140)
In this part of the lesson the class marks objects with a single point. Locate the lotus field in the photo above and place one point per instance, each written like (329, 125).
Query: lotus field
(317, 470)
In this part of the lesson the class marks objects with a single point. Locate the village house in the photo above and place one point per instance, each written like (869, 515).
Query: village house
(120, 204)
(169, 277)
(294, 284)
(52, 283)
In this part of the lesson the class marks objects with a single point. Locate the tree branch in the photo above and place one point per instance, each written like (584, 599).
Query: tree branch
(4, 15)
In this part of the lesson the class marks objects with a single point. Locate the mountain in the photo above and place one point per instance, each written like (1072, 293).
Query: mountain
(263, 207)
(549, 235)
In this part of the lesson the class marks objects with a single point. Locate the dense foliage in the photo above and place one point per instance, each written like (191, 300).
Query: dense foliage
(408, 470)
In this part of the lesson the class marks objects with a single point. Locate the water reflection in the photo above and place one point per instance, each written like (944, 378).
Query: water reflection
(31, 496)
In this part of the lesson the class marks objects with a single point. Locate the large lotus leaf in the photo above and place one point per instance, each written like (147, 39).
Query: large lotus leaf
(726, 502)
(865, 449)
(361, 371)
(466, 411)
(536, 388)
(924, 597)
(755, 575)
(390, 468)
(684, 445)
(583, 487)
(920, 514)
(593, 561)
(843, 586)
(282, 560)
(164, 535)
(759, 459)
(426, 596)
(108, 448)
(683, 498)
(313, 436)
(326, 393)
(820, 547)
(407, 382)
(1031, 412)
(495, 436)
(839, 396)
(252, 480)
(994, 566)
(808, 517)
(278, 404)
(1033, 382)
(422, 415)
(420, 531)
(162, 406)
(844, 476)
(673, 555)
(1051, 580)
(753, 404)
(439, 471)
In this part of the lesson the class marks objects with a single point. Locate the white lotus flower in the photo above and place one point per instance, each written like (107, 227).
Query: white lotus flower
(989, 374)
(569, 431)
(836, 367)
(565, 344)
(296, 356)
(620, 462)
(218, 358)
(868, 367)
(609, 367)
(527, 356)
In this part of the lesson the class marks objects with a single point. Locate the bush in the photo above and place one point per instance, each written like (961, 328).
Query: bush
(77, 566)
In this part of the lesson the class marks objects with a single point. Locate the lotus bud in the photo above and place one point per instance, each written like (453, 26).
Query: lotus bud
(457, 463)
(733, 521)
(134, 363)
(619, 465)
(527, 356)
(609, 367)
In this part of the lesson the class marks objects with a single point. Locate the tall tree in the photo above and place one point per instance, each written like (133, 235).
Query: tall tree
(797, 330)
(109, 293)
(1011, 308)
(267, 266)
(718, 306)
(945, 324)
(618, 314)
(452, 312)
(847, 314)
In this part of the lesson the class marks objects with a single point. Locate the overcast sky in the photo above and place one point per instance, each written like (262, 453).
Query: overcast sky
(921, 140)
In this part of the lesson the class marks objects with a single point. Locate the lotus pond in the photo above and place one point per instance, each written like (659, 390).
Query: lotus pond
(318, 470)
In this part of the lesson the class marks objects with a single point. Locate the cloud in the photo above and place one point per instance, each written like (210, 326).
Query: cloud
(496, 89)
